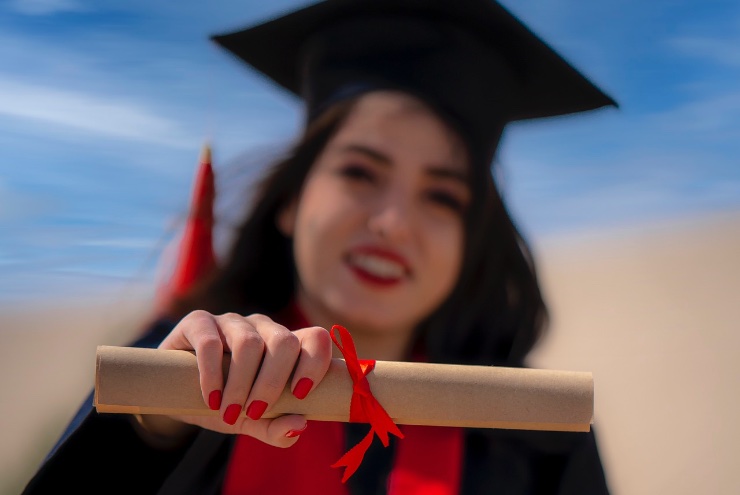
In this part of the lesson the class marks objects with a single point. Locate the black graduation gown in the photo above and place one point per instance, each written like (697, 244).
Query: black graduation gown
(103, 453)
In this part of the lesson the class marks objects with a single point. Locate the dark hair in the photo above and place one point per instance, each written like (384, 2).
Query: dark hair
(496, 312)
(494, 315)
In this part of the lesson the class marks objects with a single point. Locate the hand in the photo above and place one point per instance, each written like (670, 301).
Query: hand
(263, 356)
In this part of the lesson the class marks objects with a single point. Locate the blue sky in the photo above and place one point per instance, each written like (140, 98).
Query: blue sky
(104, 106)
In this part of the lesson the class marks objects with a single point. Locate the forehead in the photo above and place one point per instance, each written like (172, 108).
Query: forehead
(404, 127)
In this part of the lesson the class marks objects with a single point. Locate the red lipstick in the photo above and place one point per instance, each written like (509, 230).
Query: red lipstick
(383, 277)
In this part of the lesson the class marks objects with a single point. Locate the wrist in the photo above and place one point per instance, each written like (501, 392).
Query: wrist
(162, 432)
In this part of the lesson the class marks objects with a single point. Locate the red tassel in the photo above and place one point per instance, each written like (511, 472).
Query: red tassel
(195, 255)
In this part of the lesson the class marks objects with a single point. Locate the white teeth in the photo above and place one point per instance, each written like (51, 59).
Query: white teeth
(380, 267)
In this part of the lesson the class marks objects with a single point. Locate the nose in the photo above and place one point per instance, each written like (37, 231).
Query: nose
(391, 218)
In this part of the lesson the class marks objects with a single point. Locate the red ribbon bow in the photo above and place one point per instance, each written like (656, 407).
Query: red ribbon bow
(364, 407)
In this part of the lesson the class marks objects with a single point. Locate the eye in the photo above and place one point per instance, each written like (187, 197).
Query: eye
(357, 172)
(448, 200)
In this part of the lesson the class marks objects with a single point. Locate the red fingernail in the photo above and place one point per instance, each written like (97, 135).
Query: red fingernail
(256, 409)
(214, 400)
(295, 433)
(302, 388)
(232, 413)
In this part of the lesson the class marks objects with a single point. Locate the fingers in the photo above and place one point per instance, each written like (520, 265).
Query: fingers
(282, 431)
(278, 353)
(263, 356)
(247, 348)
(281, 351)
(200, 332)
(314, 360)
(307, 351)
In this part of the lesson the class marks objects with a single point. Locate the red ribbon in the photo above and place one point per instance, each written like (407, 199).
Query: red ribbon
(364, 407)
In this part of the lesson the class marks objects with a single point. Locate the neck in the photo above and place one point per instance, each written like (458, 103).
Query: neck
(383, 347)
(386, 344)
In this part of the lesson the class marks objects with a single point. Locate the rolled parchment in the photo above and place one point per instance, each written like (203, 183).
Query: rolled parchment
(154, 381)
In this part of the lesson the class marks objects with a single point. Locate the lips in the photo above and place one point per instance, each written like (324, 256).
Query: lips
(378, 266)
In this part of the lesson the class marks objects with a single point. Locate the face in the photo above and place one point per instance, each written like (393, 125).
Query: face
(378, 227)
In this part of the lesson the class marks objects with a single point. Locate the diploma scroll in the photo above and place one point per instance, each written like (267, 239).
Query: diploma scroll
(151, 381)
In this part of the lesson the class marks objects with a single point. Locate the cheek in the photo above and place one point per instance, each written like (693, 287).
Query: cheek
(319, 228)
(307, 240)
(314, 216)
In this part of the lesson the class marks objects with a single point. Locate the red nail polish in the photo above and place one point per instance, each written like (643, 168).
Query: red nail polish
(256, 409)
(302, 388)
(232, 413)
(214, 400)
(295, 433)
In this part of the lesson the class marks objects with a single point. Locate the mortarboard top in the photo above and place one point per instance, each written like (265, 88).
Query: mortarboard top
(471, 60)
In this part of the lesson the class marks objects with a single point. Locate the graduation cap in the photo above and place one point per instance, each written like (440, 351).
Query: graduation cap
(472, 61)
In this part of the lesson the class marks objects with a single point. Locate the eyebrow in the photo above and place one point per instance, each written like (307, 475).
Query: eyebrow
(442, 172)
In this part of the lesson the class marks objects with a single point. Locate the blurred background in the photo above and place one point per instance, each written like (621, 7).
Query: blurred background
(634, 214)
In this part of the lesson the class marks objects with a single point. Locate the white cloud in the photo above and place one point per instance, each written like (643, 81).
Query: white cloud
(107, 116)
(46, 7)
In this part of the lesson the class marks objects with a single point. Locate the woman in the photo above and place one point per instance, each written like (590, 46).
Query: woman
(385, 219)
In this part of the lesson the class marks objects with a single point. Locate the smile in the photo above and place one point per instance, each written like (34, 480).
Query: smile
(375, 265)
(378, 266)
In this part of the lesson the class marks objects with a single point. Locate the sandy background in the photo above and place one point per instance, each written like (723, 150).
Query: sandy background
(652, 311)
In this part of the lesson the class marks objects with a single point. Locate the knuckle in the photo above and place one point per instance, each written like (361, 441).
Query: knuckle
(199, 313)
(286, 341)
(250, 341)
(232, 316)
(233, 320)
(199, 316)
(259, 318)
(210, 343)
(321, 336)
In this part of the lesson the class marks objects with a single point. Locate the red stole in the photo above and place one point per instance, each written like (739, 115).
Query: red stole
(428, 460)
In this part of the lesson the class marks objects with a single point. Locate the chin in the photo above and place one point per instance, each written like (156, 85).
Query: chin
(367, 311)
(368, 319)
